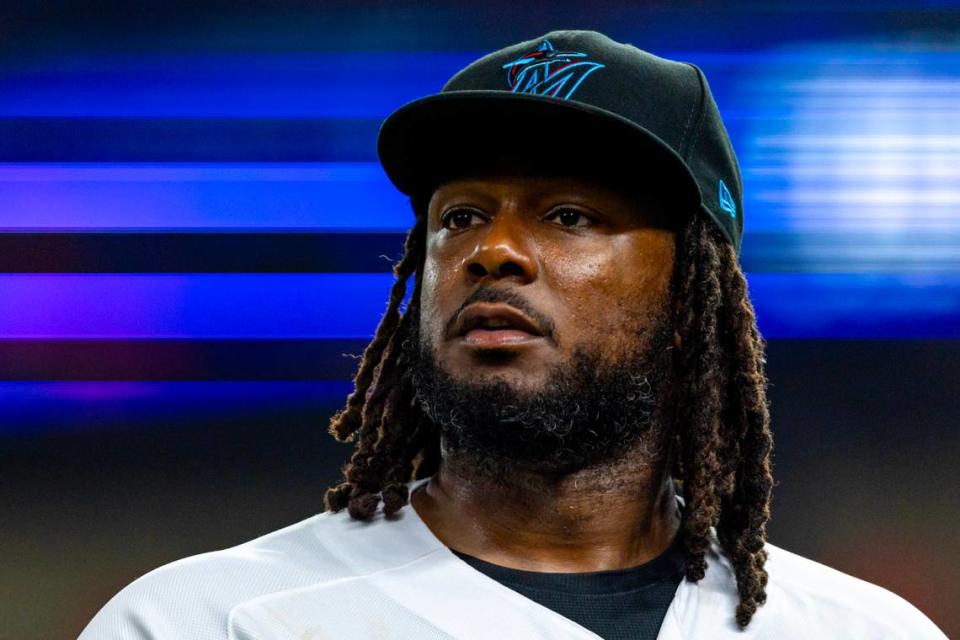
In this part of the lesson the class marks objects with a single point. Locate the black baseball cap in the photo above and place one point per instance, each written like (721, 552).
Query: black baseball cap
(579, 102)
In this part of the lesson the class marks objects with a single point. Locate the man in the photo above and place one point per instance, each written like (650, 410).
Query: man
(565, 433)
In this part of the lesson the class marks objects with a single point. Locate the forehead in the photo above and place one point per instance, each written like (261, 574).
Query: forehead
(493, 183)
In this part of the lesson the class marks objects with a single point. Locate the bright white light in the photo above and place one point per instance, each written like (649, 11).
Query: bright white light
(872, 147)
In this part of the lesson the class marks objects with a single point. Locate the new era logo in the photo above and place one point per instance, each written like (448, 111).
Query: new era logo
(726, 201)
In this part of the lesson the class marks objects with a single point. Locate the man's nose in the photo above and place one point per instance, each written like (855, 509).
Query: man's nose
(505, 249)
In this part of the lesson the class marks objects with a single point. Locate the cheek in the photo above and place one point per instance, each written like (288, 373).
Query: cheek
(579, 284)
(649, 282)
(613, 291)
(432, 316)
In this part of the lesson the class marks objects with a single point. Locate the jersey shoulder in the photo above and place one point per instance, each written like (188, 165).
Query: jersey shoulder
(193, 597)
(829, 603)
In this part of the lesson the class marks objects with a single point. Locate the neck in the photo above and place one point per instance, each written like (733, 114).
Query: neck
(612, 516)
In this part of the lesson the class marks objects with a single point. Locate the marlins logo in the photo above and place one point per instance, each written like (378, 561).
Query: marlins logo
(547, 72)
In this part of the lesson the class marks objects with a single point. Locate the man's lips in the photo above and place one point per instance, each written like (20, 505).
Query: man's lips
(485, 324)
(498, 337)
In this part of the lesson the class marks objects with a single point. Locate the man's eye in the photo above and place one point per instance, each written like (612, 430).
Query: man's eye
(568, 217)
(459, 218)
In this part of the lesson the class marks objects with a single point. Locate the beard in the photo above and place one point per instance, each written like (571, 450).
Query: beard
(590, 412)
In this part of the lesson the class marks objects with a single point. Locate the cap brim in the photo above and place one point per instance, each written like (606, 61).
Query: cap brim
(439, 137)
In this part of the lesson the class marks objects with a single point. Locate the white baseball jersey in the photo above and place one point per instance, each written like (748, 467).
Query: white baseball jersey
(332, 577)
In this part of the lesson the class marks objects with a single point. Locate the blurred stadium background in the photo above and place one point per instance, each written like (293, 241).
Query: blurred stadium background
(194, 234)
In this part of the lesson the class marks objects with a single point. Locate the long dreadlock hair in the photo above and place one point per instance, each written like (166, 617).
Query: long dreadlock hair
(722, 439)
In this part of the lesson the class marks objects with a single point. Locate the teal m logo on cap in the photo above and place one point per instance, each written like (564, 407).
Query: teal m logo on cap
(726, 201)
(548, 72)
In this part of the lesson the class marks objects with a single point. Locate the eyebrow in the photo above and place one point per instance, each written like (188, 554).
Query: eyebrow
(627, 205)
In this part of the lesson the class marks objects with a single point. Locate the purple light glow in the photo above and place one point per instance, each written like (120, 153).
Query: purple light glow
(89, 197)
(50, 306)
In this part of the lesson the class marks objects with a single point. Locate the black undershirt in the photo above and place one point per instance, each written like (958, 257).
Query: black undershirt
(623, 604)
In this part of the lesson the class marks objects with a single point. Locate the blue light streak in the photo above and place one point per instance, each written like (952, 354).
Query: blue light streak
(46, 197)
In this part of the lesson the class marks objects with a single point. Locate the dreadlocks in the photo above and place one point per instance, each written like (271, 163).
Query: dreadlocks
(721, 432)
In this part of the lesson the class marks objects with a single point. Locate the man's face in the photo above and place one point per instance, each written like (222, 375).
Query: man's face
(534, 291)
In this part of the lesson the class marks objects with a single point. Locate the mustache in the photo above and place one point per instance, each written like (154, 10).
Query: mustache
(512, 298)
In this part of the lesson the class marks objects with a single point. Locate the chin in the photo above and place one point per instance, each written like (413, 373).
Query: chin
(510, 363)
(505, 379)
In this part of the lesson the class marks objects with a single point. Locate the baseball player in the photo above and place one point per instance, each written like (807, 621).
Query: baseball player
(564, 434)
